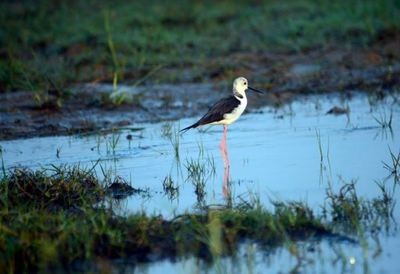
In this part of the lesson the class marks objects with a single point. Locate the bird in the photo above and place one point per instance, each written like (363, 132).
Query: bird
(227, 110)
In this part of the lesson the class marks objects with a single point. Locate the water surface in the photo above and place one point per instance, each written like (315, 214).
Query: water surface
(290, 153)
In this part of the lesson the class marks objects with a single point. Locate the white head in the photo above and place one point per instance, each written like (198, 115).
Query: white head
(240, 85)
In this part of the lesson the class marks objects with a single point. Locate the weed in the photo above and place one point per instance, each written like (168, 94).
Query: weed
(384, 205)
(322, 165)
(199, 171)
(169, 131)
(207, 158)
(58, 151)
(170, 189)
(166, 130)
(384, 121)
(354, 213)
(111, 47)
(108, 173)
(321, 155)
(98, 142)
(394, 166)
(111, 143)
(175, 143)
(344, 205)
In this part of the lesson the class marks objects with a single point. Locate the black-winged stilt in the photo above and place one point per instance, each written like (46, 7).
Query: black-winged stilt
(227, 110)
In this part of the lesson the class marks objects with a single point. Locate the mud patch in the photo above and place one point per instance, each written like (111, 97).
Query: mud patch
(92, 107)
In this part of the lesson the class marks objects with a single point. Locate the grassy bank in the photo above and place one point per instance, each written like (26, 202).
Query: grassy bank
(47, 45)
(55, 219)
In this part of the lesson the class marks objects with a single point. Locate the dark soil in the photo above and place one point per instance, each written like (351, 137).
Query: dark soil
(87, 107)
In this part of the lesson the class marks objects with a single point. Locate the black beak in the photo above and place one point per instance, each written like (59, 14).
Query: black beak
(256, 90)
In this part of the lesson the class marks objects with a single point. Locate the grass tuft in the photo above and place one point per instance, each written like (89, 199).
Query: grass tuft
(54, 188)
(352, 213)
(170, 188)
(384, 121)
(394, 166)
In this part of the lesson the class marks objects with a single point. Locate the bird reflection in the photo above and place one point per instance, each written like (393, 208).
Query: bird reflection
(225, 158)
(225, 112)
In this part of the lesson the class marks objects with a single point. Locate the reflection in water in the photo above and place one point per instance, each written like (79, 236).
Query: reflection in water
(225, 158)
(226, 186)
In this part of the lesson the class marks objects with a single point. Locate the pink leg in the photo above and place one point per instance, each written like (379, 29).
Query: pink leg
(223, 148)
(222, 145)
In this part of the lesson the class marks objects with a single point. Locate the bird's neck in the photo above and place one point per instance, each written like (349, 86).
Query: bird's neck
(239, 96)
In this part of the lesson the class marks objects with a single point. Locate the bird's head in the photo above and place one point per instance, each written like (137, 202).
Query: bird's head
(240, 85)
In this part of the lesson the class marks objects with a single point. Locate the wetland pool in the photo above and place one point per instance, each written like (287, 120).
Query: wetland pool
(291, 153)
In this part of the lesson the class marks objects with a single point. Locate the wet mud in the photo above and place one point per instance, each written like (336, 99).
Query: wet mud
(91, 107)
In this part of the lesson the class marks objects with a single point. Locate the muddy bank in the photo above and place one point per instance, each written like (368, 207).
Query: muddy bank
(95, 106)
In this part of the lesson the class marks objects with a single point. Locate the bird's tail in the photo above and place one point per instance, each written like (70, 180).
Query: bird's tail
(189, 127)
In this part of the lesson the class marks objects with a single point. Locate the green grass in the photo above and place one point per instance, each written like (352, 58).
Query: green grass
(47, 44)
(53, 188)
(55, 218)
(200, 170)
(171, 132)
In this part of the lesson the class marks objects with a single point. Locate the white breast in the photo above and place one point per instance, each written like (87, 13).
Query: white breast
(229, 118)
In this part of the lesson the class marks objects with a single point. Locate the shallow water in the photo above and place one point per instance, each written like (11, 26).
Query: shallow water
(274, 155)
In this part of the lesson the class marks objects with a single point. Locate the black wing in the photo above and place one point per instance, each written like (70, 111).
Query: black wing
(217, 111)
